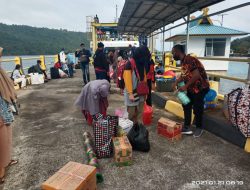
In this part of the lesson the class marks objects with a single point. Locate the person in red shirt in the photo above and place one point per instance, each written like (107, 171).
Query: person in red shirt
(150, 80)
(194, 76)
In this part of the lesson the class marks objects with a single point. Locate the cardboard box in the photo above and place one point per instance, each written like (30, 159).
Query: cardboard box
(122, 151)
(73, 176)
(169, 129)
(125, 124)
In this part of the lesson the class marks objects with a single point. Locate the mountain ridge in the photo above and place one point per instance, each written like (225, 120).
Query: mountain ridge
(28, 40)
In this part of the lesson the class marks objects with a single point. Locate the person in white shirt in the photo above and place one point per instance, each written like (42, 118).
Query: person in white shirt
(62, 56)
(17, 77)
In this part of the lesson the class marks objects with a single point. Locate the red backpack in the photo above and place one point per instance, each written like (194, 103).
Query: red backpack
(120, 71)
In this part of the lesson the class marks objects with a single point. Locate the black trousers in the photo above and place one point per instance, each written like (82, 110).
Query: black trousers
(149, 98)
(196, 104)
(45, 74)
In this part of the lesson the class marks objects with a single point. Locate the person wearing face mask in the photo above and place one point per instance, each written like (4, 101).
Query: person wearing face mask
(195, 78)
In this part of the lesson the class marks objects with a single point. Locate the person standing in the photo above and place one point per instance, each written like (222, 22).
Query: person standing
(111, 64)
(62, 56)
(115, 64)
(18, 77)
(194, 76)
(150, 80)
(101, 64)
(71, 63)
(134, 71)
(62, 59)
(83, 57)
(7, 96)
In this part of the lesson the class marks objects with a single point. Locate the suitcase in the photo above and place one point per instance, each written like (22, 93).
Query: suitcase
(54, 73)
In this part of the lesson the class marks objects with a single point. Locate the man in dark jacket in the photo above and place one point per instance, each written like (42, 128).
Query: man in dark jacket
(101, 64)
(83, 57)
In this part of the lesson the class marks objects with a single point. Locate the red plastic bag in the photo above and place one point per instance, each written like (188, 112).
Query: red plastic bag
(147, 114)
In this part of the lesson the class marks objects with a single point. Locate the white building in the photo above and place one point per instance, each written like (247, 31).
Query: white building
(208, 40)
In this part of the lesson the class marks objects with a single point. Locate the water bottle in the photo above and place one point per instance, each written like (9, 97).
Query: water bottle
(182, 96)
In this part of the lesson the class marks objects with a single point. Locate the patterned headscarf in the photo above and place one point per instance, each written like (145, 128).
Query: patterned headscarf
(7, 90)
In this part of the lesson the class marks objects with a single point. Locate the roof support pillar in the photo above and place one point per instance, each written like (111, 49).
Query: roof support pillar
(163, 43)
(152, 41)
(187, 40)
(248, 75)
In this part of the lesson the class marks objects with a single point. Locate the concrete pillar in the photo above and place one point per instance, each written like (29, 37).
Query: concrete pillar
(18, 61)
(43, 65)
(56, 59)
(168, 59)
(153, 56)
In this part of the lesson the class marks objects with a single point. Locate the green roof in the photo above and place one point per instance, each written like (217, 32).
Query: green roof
(207, 30)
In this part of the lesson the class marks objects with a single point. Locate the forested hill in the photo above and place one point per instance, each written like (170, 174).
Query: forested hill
(26, 40)
(241, 46)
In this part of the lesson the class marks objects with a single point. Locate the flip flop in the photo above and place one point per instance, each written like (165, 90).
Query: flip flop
(13, 162)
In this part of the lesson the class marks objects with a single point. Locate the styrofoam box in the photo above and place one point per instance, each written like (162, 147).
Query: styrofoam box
(125, 124)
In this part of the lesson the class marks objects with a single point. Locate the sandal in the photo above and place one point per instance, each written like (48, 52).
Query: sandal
(12, 162)
(2, 180)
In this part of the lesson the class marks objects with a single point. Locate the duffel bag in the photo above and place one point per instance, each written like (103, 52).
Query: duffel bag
(105, 128)
(239, 109)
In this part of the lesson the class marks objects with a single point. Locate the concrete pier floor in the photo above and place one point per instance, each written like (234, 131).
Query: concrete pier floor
(48, 133)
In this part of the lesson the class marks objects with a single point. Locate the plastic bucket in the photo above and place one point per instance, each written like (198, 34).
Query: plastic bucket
(210, 96)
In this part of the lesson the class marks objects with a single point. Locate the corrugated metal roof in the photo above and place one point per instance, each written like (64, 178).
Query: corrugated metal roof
(208, 30)
(146, 16)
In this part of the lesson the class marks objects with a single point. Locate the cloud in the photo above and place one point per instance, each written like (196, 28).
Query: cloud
(70, 15)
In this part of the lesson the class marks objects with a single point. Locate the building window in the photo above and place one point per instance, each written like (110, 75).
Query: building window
(215, 47)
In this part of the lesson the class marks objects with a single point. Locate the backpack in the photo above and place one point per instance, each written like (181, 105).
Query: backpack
(120, 71)
(31, 69)
(84, 56)
(239, 109)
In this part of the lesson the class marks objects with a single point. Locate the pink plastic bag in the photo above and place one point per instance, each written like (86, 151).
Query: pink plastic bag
(121, 113)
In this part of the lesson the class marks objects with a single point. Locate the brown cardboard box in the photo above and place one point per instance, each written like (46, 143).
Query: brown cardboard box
(122, 151)
(73, 176)
(169, 129)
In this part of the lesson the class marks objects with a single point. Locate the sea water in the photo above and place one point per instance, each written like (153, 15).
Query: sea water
(10, 66)
(235, 69)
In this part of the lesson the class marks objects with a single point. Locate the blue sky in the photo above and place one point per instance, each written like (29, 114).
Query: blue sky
(71, 14)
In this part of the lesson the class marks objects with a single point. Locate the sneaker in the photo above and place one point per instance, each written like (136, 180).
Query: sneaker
(198, 132)
(186, 131)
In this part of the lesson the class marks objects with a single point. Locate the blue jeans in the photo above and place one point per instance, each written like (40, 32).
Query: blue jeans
(71, 70)
(85, 72)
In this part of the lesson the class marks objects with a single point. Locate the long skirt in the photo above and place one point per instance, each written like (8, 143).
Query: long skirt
(5, 144)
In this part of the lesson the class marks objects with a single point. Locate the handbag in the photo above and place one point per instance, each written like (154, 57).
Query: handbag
(142, 86)
(105, 128)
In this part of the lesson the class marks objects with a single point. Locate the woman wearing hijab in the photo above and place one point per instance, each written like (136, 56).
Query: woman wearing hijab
(133, 101)
(7, 95)
(93, 98)
(18, 77)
